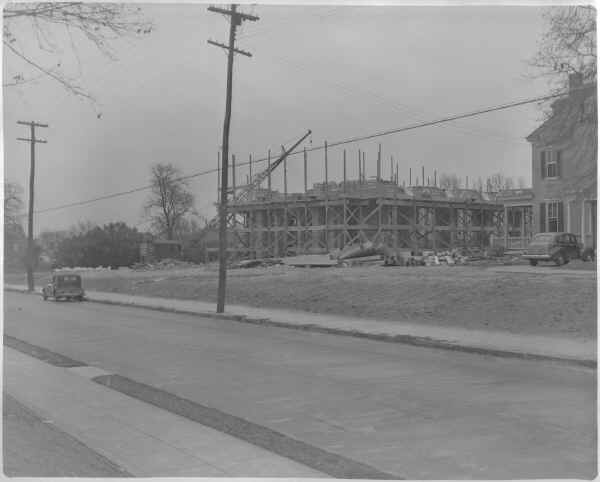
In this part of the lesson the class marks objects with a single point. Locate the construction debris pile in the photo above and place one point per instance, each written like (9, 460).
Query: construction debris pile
(163, 264)
(369, 253)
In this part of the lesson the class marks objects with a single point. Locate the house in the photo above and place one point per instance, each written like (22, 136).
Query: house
(152, 250)
(564, 165)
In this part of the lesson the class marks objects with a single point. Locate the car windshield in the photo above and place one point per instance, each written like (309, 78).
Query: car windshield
(543, 238)
(74, 281)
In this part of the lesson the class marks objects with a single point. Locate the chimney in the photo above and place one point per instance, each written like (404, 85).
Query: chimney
(575, 81)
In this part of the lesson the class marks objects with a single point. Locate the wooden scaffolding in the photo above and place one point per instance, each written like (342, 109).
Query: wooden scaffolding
(333, 216)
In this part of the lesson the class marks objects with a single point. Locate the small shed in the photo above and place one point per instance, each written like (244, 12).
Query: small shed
(157, 249)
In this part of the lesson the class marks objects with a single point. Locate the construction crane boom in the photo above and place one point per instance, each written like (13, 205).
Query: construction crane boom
(242, 193)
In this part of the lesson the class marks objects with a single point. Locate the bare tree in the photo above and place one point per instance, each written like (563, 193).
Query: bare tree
(170, 200)
(568, 45)
(450, 181)
(52, 24)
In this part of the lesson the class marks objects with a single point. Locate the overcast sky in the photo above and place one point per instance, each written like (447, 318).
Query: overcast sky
(340, 71)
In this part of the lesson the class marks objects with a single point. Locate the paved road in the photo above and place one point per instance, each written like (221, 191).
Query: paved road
(33, 447)
(413, 412)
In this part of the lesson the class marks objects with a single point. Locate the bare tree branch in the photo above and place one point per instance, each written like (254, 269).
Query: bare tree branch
(98, 23)
(568, 45)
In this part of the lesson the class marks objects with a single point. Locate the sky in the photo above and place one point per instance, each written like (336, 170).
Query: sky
(341, 71)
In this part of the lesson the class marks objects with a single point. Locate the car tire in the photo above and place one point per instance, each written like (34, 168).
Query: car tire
(44, 297)
(533, 262)
(559, 260)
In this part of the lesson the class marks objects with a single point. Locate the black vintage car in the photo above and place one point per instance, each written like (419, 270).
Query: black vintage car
(557, 247)
(64, 285)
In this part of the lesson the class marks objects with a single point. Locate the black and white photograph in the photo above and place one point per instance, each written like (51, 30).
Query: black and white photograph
(300, 240)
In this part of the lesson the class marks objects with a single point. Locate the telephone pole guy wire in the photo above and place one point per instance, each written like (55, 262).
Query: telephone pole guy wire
(236, 19)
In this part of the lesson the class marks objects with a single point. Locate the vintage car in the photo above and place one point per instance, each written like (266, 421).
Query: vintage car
(64, 285)
(557, 247)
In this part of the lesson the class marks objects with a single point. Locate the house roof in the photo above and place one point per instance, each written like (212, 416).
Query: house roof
(566, 115)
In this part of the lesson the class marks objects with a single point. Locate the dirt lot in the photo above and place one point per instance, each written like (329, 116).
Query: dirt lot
(542, 300)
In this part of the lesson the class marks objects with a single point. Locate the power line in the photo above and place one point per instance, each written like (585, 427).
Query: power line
(351, 140)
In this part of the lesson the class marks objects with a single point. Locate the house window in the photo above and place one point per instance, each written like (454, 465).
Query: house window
(553, 216)
(550, 163)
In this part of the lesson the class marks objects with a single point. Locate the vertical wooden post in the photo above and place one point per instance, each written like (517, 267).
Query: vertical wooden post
(467, 182)
(422, 175)
(523, 239)
(379, 163)
(364, 167)
(435, 177)
(305, 173)
(582, 222)
(218, 176)
(250, 166)
(344, 170)
(359, 167)
(326, 170)
(397, 179)
(506, 227)
(284, 175)
(233, 174)
(392, 168)
(410, 176)
(269, 167)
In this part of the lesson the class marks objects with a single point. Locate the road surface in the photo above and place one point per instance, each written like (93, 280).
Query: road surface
(409, 411)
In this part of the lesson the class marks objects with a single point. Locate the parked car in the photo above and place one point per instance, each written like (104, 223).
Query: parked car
(557, 247)
(64, 285)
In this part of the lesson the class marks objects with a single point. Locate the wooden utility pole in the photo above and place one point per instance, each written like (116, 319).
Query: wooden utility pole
(236, 19)
(30, 251)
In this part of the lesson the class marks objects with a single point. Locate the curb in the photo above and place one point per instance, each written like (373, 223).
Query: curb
(412, 340)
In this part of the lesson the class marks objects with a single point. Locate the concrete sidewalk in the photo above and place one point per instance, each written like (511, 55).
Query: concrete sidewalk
(477, 341)
(140, 438)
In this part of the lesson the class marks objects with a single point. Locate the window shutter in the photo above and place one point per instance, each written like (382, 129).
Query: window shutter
(558, 163)
(542, 217)
(560, 223)
(543, 163)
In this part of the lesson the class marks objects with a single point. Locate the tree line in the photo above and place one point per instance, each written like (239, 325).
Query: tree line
(169, 209)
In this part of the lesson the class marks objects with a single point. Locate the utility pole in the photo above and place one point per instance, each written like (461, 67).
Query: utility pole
(236, 19)
(30, 251)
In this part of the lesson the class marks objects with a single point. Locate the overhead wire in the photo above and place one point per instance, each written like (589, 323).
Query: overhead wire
(350, 140)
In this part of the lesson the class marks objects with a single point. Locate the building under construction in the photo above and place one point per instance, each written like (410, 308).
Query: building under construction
(332, 216)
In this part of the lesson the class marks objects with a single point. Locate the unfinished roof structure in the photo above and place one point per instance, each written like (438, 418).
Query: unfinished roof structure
(333, 216)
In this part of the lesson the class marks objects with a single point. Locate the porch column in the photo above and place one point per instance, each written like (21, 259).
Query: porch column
(568, 224)
(522, 240)
(505, 227)
(583, 222)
